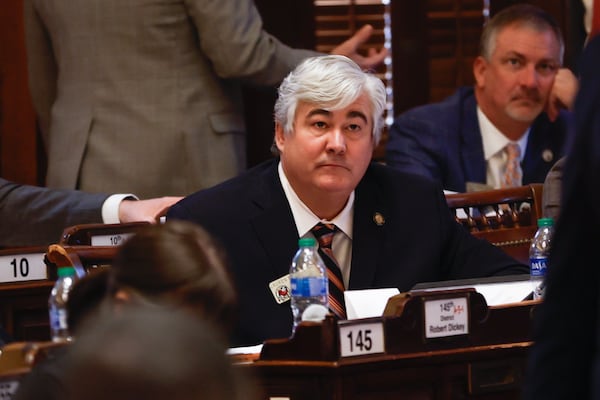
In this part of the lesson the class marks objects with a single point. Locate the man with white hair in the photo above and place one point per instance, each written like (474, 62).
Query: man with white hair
(390, 229)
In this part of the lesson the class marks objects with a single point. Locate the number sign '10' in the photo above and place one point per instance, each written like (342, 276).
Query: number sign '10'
(22, 267)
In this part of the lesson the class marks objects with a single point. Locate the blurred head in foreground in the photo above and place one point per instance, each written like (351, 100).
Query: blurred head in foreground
(177, 264)
(145, 352)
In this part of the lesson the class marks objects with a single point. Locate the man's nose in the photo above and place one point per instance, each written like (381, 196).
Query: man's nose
(336, 141)
(529, 77)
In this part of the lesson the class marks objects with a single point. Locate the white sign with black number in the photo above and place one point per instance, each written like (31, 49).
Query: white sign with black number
(361, 338)
(110, 240)
(446, 317)
(22, 267)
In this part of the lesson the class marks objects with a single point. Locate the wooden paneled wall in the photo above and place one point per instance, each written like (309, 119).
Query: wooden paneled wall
(18, 138)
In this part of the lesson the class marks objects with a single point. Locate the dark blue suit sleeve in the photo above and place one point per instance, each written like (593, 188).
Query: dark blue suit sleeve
(414, 145)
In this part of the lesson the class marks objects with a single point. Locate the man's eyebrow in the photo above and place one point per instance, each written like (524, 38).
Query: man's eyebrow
(513, 53)
(358, 114)
(351, 114)
(318, 111)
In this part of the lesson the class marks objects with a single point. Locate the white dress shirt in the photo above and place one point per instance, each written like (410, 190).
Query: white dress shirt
(305, 220)
(110, 207)
(494, 142)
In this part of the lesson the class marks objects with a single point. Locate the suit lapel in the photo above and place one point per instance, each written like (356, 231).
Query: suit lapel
(368, 242)
(472, 156)
(540, 154)
(273, 223)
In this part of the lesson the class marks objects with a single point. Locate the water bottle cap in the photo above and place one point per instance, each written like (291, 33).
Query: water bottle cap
(65, 271)
(307, 242)
(545, 222)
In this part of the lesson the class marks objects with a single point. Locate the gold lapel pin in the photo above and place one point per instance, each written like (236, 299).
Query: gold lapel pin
(378, 218)
(547, 155)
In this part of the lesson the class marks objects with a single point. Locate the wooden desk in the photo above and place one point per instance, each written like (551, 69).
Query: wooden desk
(24, 293)
(485, 372)
(487, 363)
(24, 310)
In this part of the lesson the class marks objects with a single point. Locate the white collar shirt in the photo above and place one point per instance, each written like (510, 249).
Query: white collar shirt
(305, 220)
(494, 142)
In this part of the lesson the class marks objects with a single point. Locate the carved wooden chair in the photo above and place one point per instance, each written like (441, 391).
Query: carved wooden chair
(82, 258)
(505, 217)
(17, 359)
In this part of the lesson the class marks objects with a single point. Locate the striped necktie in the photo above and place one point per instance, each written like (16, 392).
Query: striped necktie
(513, 173)
(324, 234)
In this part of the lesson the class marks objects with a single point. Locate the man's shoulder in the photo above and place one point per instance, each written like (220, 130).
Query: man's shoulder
(447, 113)
(234, 190)
(394, 180)
(463, 96)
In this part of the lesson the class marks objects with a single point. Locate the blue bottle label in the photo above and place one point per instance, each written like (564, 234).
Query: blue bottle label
(58, 318)
(309, 287)
(538, 266)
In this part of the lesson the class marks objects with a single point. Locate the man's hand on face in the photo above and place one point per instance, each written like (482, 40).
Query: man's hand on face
(562, 95)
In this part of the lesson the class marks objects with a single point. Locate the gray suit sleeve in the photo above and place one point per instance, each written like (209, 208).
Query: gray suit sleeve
(231, 35)
(35, 216)
(552, 190)
(41, 67)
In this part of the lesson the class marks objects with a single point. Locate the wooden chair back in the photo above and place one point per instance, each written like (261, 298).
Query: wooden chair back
(25, 284)
(82, 258)
(506, 218)
(17, 359)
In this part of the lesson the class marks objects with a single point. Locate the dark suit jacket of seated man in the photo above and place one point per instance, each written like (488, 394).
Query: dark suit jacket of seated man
(443, 141)
(401, 233)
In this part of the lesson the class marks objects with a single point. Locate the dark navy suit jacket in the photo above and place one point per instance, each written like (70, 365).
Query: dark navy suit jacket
(418, 241)
(565, 359)
(442, 141)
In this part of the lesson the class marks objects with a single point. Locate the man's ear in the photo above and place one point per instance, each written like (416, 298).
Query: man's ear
(279, 137)
(479, 68)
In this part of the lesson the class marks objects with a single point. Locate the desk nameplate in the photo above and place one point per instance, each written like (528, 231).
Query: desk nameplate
(446, 317)
(22, 267)
(110, 240)
(359, 338)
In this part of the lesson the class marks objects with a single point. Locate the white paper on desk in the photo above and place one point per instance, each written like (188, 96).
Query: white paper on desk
(256, 349)
(368, 302)
(504, 292)
(499, 293)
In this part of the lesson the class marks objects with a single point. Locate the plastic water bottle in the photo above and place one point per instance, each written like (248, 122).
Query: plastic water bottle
(538, 255)
(309, 284)
(57, 304)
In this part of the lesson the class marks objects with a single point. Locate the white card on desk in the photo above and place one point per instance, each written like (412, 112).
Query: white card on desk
(367, 303)
(22, 267)
(495, 293)
(110, 240)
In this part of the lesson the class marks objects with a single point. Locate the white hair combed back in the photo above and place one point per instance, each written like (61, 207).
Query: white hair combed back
(331, 82)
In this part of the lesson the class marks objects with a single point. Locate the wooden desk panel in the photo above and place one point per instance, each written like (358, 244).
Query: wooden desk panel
(488, 362)
(24, 310)
(486, 372)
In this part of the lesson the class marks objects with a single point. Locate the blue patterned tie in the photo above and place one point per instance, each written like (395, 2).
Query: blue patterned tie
(324, 234)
